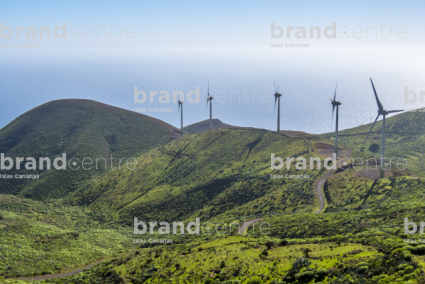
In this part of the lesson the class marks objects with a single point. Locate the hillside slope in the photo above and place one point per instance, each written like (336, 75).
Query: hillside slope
(405, 138)
(81, 129)
(203, 126)
(207, 175)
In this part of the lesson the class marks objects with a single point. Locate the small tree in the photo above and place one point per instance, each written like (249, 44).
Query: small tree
(264, 253)
(374, 148)
(306, 252)
(269, 245)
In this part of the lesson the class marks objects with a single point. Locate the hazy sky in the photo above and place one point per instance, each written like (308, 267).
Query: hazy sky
(171, 46)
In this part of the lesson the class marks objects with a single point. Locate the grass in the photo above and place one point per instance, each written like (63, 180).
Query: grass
(405, 138)
(81, 129)
(39, 238)
(217, 176)
(197, 177)
(236, 259)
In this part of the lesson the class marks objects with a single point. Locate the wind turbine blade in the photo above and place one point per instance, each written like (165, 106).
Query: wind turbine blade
(275, 86)
(395, 110)
(333, 109)
(376, 96)
(335, 89)
(275, 99)
(206, 105)
(370, 130)
(277, 89)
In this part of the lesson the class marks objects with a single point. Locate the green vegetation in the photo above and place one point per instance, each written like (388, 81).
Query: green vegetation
(236, 259)
(81, 129)
(405, 138)
(77, 218)
(349, 190)
(197, 176)
(44, 238)
(204, 126)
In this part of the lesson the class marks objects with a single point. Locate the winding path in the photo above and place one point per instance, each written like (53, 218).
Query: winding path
(248, 223)
(318, 185)
(51, 276)
(241, 230)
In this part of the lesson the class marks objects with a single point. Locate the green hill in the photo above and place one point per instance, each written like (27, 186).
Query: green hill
(223, 176)
(204, 126)
(207, 175)
(81, 129)
(405, 138)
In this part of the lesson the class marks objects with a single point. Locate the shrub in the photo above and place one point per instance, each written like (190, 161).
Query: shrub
(307, 274)
(297, 276)
(264, 253)
(374, 148)
(420, 250)
(255, 280)
(322, 272)
(306, 251)
(269, 245)
(409, 269)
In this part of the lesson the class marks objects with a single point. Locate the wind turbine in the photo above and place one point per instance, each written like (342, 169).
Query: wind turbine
(277, 98)
(209, 99)
(336, 104)
(383, 112)
(181, 117)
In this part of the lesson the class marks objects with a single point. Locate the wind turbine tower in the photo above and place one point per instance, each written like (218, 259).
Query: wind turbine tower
(181, 115)
(277, 98)
(336, 104)
(384, 113)
(209, 99)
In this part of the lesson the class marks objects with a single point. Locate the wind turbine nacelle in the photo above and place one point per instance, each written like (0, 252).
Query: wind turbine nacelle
(336, 103)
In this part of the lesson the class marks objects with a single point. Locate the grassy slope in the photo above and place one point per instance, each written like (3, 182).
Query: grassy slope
(405, 138)
(222, 174)
(237, 259)
(207, 175)
(348, 190)
(42, 238)
(80, 128)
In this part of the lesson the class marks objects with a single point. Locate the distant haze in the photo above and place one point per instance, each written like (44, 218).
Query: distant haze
(179, 46)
